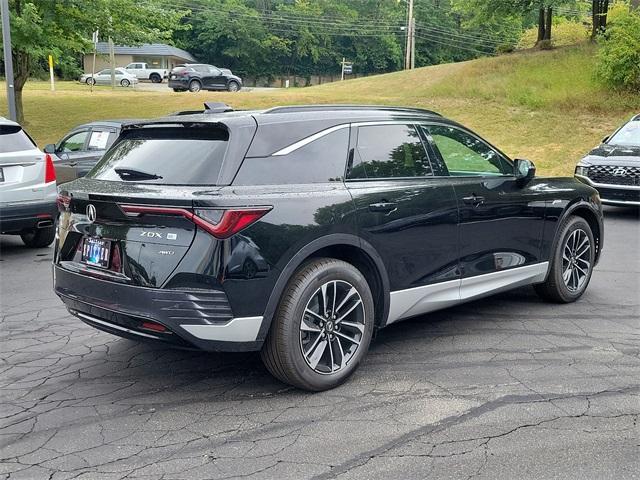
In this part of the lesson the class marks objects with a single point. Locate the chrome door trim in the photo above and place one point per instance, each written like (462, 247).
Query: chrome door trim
(420, 300)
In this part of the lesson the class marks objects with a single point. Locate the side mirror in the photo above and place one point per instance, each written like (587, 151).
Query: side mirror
(524, 171)
(50, 148)
(605, 139)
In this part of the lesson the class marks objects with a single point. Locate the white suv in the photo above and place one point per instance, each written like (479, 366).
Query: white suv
(27, 188)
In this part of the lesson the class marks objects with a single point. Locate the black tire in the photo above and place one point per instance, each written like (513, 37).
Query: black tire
(556, 288)
(155, 78)
(124, 82)
(90, 81)
(282, 352)
(233, 86)
(195, 86)
(39, 237)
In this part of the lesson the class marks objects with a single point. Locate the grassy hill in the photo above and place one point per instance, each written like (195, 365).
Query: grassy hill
(544, 106)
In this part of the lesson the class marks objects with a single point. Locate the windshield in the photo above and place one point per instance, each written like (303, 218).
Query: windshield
(628, 135)
(165, 155)
(14, 139)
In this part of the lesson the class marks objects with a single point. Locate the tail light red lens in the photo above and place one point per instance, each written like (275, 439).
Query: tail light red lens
(219, 223)
(49, 169)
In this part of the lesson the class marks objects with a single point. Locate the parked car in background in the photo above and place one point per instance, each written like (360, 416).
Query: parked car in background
(80, 149)
(142, 71)
(103, 77)
(613, 167)
(299, 231)
(198, 76)
(27, 188)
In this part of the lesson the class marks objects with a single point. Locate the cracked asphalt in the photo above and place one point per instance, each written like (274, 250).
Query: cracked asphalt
(505, 387)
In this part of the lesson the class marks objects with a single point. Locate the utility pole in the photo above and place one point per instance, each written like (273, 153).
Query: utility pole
(413, 43)
(8, 59)
(93, 68)
(112, 62)
(410, 36)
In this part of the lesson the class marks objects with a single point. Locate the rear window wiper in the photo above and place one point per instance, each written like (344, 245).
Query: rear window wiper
(132, 174)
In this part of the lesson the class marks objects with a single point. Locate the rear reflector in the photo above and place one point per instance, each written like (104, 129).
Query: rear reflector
(156, 327)
(219, 223)
(49, 169)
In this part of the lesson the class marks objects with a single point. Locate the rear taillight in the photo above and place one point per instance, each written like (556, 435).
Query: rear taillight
(49, 169)
(219, 223)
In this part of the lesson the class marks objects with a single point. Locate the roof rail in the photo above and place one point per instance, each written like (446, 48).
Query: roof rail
(329, 108)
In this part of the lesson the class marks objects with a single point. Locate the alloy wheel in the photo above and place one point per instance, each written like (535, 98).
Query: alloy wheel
(332, 327)
(576, 260)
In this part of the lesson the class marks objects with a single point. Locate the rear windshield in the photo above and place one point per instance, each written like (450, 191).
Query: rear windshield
(13, 139)
(165, 155)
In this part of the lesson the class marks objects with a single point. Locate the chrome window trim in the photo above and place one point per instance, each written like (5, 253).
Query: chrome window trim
(307, 140)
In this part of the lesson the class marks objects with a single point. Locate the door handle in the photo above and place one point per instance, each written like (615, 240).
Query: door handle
(474, 200)
(383, 207)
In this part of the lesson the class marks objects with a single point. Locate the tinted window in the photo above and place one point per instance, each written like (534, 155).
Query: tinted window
(389, 151)
(179, 156)
(628, 135)
(322, 160)
(13, 139)
(73, 143)
(465, 154)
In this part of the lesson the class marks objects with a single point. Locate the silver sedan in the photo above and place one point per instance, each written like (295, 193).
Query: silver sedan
(103, 77)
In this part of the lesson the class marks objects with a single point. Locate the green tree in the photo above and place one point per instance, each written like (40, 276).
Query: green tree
(63, 28)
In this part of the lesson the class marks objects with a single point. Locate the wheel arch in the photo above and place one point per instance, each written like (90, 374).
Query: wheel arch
(588, 212)
(345, 247)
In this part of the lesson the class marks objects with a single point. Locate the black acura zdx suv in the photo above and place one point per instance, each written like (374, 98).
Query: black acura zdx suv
(351, 219)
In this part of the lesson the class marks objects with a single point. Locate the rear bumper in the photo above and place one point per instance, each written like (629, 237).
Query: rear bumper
(17, 218)
(179, 83)
(194, 319)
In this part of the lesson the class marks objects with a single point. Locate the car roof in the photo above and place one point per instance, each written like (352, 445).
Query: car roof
(305, 113)
(108, 123)
(6, 121)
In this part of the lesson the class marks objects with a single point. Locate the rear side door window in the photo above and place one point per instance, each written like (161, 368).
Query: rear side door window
(464, 154)
(74, 142)
(101, 139)
(389, 151)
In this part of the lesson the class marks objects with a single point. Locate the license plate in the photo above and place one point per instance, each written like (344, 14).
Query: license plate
(1, 175)
(96, 252)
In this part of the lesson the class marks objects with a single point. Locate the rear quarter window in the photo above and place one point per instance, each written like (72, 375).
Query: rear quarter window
(14, 139)
(322, 160)
(172, 155)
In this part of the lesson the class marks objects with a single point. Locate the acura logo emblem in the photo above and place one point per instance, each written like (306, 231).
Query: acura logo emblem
(91, 213)
(620, 172)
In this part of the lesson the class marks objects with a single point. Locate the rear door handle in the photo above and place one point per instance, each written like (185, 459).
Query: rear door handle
(383, 207)
(474, 200)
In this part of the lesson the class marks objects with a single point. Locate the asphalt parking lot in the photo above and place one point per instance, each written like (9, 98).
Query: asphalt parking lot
(506, 387)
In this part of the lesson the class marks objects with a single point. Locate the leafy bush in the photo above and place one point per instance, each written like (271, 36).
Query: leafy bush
(618, 58)
(563, 32)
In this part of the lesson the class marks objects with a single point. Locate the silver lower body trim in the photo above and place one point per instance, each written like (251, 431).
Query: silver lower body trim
(622, 203)
(429, 298)
(114, 326)
(240, 329)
